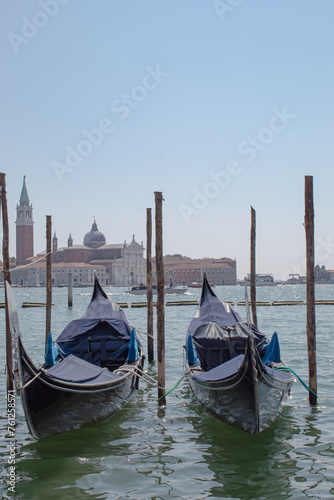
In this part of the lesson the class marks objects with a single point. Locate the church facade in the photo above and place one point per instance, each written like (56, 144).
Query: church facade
(115, 264)
(124, 263)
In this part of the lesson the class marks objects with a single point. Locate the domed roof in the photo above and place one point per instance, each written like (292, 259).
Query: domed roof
(94, 238)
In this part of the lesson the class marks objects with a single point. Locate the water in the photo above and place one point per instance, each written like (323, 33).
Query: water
(181, 452)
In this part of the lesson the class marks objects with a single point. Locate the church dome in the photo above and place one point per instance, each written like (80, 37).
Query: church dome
(94, 238)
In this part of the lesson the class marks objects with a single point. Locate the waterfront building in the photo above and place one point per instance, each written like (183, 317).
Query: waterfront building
(35, 275)
(120, 264)
(181, 270)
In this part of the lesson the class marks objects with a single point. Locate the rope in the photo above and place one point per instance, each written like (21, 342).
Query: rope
(141, 331)
(29, 382)
(149, 380)
(175, 385)
(290, 370)
(143, 338)
(25, 265)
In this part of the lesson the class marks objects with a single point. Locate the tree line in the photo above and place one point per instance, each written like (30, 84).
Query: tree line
(321, 275)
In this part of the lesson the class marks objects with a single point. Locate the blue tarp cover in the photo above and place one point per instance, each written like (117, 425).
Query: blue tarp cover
(192, 357)
(133, 348)
(272, 351)
(51, 352)
(76, 370)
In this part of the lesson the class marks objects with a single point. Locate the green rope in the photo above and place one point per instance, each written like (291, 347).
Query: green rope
(174, 387)
(290, 370)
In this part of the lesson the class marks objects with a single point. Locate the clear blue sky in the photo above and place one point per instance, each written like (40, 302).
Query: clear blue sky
(218, 104)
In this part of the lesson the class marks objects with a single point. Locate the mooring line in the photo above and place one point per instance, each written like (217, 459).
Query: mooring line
(141, 331)
(290, 370)
(144, 376)
(175, 385)
(29, 382)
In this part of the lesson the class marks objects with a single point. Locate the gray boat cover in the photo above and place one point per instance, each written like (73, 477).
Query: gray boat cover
(219, 334)
(230, 368)
(103, 329)
(220, 372)
(79, 327)
(211, 309)
(228, 323)
(78, 371)
(100, 309)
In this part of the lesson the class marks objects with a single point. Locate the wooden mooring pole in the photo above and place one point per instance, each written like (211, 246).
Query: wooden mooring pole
(150, 343)
(253, 265)
(48, 277)
(70, 289)
(310, 292)
(6, 276)
(160, 298)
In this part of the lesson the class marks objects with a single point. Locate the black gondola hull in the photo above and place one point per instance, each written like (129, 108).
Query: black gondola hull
(52, 407)
(238, 402)
(75, 392)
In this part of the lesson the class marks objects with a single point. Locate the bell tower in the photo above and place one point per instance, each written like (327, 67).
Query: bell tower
(54, 243)
(24, 227)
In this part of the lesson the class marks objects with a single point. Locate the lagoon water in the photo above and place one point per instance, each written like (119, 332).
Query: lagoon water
(180, 451)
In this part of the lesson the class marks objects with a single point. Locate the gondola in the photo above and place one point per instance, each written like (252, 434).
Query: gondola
(232, 368)
(89, 373)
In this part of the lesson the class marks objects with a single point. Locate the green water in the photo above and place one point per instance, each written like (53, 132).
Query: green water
(181, 452)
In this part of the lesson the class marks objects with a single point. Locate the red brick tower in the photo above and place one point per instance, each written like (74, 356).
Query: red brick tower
(24, 227)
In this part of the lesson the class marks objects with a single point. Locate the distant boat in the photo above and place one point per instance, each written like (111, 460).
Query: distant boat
(232, 367)
(260, 280)
(140, 290)
(172, 290)
(169, 290)
(198, 285)
(89, 373)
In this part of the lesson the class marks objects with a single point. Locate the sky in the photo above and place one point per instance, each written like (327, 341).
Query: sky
(220, 104)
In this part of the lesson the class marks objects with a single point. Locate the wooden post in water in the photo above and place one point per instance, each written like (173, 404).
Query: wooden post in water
(6, 276)
(150, 343)
(48, 277)
(310, 293)
(160, 298)
(253, 265)
(70, 289)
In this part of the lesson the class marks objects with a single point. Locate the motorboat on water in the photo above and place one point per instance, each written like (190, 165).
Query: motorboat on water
(169, 290)
(260, 280)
